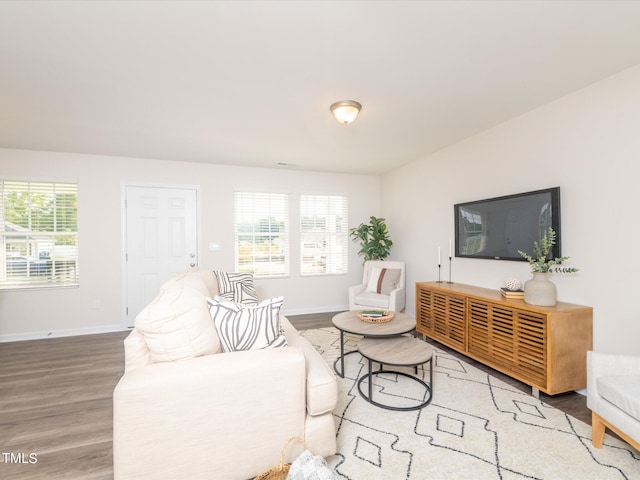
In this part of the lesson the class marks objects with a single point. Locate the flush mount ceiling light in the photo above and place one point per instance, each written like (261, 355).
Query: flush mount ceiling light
(346, 111)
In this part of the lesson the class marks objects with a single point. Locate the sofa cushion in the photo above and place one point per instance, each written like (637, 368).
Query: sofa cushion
(136, 352)
(202, 279)
(321, 385)
(369, 299)
(383, 280)
(176, 325)
(247, 327)
(236, 287)
(287, 328)
(190, 279)
(623, 391)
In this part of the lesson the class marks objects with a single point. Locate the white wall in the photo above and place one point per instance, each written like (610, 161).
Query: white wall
(588, 143)
(33, 314)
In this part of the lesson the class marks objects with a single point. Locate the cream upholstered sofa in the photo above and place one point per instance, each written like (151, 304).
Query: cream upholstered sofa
(183, 409)
(380, 290)
(613, 396)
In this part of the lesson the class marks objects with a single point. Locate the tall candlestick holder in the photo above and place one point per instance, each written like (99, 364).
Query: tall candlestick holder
(449, 271)
(439, 281)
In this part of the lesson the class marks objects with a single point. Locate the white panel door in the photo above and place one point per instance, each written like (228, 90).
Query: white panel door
(161, 241)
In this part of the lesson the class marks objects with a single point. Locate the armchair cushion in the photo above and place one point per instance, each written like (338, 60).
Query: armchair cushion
(247, 327)
(383, 280)
(623, 391)
(377, 300)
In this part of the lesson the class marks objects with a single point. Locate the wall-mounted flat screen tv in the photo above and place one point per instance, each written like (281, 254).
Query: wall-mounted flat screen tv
(497, 228)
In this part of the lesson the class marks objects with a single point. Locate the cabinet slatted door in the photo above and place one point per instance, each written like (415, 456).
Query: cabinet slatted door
(504, 343)
(480, 343)
(443, 317)
(424, 307)
(531, 359)
(456, 324)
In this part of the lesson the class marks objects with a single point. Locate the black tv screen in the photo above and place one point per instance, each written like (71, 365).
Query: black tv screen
(497, 228)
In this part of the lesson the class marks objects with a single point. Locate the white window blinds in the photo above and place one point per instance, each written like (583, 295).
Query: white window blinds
(262, 233)
(324, 234)
(38, 234)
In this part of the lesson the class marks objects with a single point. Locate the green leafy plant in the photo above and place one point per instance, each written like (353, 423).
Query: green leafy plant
(374, 239)
(540, 263)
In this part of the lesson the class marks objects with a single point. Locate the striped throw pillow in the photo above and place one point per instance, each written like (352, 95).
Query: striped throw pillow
(236, 287)
(383, 280)
(247, 327)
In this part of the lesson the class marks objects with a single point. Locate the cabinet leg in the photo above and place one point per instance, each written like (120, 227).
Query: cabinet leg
(535, 393)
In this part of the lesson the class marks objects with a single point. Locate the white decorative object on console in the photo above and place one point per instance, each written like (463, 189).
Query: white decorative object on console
(512, 284)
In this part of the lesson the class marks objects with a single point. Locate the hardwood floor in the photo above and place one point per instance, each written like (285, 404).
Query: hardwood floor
(56, 403)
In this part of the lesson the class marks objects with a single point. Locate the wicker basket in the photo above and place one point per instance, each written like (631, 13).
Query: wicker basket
(280, 472)
(386, 317)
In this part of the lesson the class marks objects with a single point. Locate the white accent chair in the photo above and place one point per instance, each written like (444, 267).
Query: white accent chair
(362, 298)
(613, 396)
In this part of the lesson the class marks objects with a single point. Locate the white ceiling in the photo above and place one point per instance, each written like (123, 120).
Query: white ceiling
(250, 83)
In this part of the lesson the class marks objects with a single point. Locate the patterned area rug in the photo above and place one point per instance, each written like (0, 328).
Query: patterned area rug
(476, 427)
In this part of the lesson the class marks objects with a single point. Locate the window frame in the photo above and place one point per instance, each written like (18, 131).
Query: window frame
(323, 240)
(254, 206)
(44, 214)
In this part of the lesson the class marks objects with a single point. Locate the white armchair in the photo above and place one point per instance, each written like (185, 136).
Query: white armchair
(613, 396)
(382, 287)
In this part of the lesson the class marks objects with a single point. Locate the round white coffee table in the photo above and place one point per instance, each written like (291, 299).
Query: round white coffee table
(348, 322)
(400, 352)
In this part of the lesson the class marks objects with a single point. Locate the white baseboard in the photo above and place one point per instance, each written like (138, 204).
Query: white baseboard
(18, 337)
(304, 311)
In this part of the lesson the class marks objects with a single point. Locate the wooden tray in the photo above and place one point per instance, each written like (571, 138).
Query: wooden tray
(386, 317)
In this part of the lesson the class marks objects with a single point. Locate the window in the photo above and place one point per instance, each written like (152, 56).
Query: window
(38, 234)
(324, 235)
(262, 233)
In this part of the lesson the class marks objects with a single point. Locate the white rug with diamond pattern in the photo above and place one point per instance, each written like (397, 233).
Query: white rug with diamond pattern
(476, 427)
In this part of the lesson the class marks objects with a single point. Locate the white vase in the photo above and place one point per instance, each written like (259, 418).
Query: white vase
(540, 291)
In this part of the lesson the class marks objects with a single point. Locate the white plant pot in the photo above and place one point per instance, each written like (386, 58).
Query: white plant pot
(540, 291)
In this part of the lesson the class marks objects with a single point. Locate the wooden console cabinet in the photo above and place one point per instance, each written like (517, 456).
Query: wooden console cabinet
(544, 347)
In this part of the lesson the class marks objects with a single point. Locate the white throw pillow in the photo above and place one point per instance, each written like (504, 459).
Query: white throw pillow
(236, 287)
(247, 327)
(176, 325)
(383, 280)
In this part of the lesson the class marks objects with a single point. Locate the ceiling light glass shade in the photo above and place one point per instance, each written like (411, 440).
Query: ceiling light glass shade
(346, 111)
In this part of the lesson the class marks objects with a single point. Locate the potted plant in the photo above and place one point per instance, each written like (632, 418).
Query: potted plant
(540, 290)
(375, 243)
